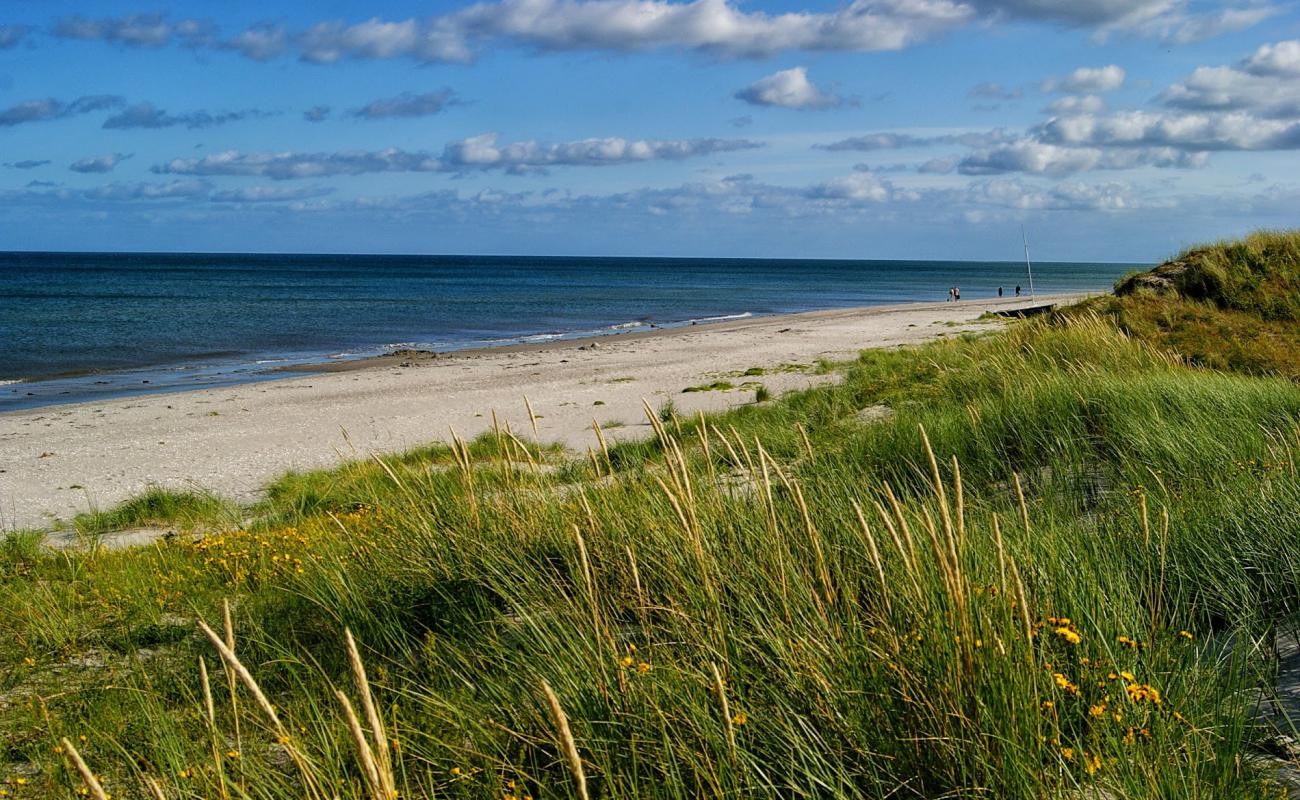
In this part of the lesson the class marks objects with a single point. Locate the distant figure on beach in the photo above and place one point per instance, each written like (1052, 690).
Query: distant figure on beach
(950, 293)
(956, 293)
(1017, 290)
(999, 291)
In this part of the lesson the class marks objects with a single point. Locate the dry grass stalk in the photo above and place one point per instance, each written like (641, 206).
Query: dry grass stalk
(735, 457)
(228, 626)
(87, 777)
(364, 754)
(604, 447)
(1020, 500)
(901, 519)
(807, 445)
(815, 538)
(702, 433)
(1002, 555)
(590, 582)
(532, 419)
(528, 454)
(234, 665)
(384, 759)
(567, 743)
(1022, 604)
(875, 554)
(658, 427)
(393, 475)
(960, 500)
(721, 689)
(209, 708)
(939, 491)
(155, 791)
(743, 449)
(642, 602)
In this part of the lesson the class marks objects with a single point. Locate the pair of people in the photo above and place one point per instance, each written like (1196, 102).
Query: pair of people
(954, 293)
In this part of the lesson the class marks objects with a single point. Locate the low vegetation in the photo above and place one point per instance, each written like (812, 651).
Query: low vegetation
(1055, 568)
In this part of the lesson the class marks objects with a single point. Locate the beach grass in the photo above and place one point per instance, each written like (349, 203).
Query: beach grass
(1051, 563)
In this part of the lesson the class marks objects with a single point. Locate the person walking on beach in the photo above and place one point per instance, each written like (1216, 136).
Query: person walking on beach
(956, 293)
(999, 291)
(950, 291)
(1017, 290)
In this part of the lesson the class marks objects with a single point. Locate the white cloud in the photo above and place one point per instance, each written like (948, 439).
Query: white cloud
(1076, 104)
(1087, 80)
(104, 163)
(1279, 58)
(50, 108)
(476, 153)
(146, 115)
(789, 88)
(407, 104)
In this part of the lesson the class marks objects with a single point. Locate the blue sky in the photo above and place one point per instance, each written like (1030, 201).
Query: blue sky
(1112, 129)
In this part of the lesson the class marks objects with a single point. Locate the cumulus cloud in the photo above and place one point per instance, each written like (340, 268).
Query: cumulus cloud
(260, 42)
(1171, 20)
(789, 88)
(715, 26)
(49, 109)
(1197, 132)
(939, 166)
(11, 35)
(184, 189)
(1264, 83)
(476, 153)
(146, 115)
(1076, 104)
(316, 114)
(95, 164)
(1087, 80)
(721, 27)
(137, 30)
(1037, 158)
(1279, 58)
(29, 164)
(406, 104)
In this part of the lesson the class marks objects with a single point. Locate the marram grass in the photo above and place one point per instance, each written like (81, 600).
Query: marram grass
(1053, 569)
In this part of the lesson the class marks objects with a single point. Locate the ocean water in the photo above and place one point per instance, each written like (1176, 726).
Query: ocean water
(84, 326)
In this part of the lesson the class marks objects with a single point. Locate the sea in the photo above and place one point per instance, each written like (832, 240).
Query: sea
(78, 327)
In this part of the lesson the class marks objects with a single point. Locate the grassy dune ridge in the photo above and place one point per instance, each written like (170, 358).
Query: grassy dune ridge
(1048, 563)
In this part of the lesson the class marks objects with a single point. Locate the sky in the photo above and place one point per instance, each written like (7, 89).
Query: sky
(1112, 130)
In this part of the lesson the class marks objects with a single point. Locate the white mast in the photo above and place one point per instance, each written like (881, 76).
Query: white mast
(1028, 268)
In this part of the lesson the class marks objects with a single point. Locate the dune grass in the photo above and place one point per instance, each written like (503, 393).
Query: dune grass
(1053, 570)
(1228, 306)
(155, 507)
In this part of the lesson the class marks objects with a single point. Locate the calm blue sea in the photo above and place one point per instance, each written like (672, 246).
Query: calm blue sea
(83, 326)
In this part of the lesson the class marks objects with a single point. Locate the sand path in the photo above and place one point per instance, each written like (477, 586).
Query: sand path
(59, 460)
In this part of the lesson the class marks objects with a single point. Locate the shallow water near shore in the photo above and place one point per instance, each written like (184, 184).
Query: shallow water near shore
(84, 326)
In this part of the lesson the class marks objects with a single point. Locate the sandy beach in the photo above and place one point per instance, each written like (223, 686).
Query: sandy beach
(57, 461)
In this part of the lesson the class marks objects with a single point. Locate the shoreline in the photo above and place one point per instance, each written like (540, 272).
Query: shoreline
(58, 460)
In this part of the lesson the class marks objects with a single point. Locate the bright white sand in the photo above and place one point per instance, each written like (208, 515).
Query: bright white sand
(59, 460)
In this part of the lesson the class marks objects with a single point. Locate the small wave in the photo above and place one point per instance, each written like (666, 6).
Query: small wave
(722, 318)
(626, 325)
(4, 382)
(272, 360)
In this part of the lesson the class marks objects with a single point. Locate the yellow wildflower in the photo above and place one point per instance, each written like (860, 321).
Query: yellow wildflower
(643, 668)
(740, 718)
(1069, 635)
